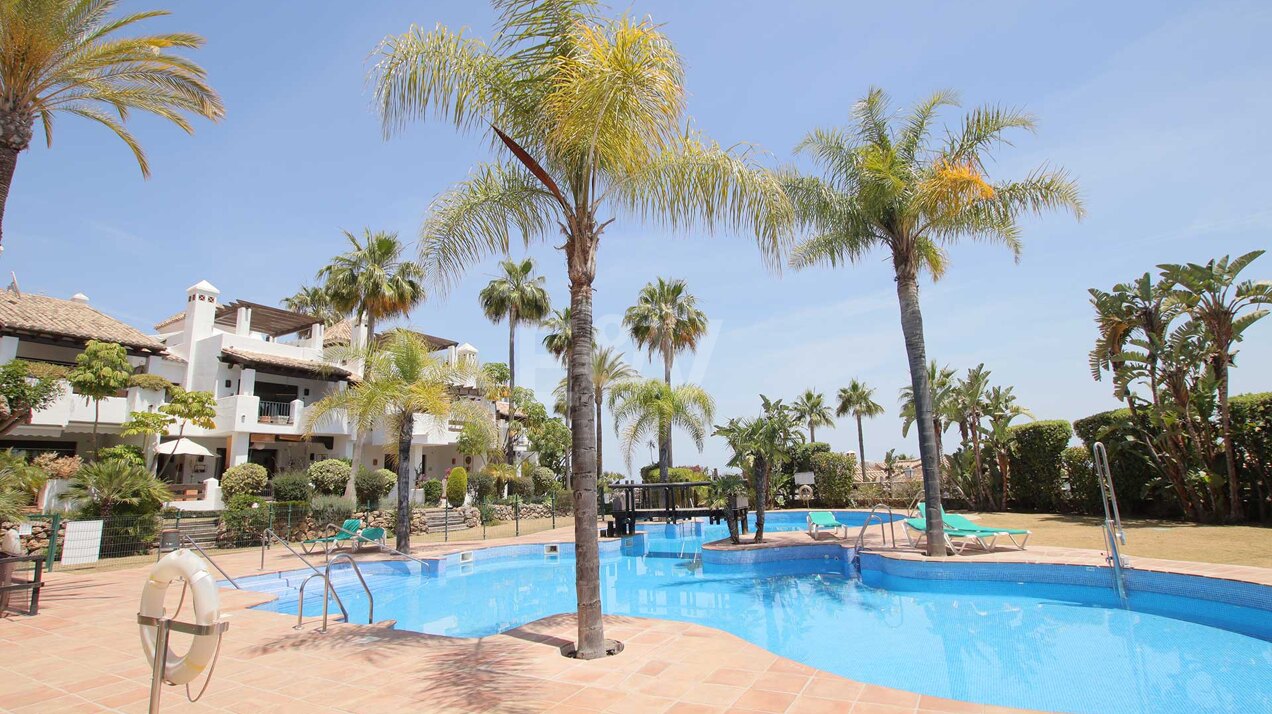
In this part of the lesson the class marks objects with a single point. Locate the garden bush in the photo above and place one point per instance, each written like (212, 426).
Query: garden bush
(244, 479)
(292, 486)
(331, 509)
(456, 486)
(1252, 442)
(330, 476)
(1132, 472)
(482, 484)
(371, 486)
(149, 381)
(433, 491)
(802, 456)
(122, 452)
(1037, 474)
(522, 488)
(245, 517)
(1079, 472)
(832, 478)
(545, 481)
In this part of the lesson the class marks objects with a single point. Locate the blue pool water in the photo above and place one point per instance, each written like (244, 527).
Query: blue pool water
(1052, 647)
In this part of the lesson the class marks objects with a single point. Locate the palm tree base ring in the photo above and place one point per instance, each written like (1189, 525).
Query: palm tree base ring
(612, 647)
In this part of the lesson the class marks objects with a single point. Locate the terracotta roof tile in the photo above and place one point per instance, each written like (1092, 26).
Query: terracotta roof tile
(41, 314)
(170, 321)
(313, 367)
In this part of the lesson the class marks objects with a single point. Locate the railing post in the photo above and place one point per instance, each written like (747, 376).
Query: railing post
(51, 552)
(516, 512)
(553, 494)
(446, 521)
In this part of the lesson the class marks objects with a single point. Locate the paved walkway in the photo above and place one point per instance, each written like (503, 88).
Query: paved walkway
(82, 654)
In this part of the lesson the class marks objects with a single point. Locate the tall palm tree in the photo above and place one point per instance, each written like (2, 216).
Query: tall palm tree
(765, 442)
(888, 182)
(811, 409)
(857, 400)
(1221, 307)
(401, 379)
(969, 396)
(65, 57)
(608, 371)
(589, 117)
(558, 341)
(315, 300)
(941, 383)
(666, 320)
(649, 407)
(518, 295)
(372, 281)
(1001, 408)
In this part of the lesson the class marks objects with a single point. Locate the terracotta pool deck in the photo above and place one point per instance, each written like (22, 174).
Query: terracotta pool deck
(82, 654)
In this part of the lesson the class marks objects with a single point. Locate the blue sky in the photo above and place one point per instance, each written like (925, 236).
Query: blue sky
(1159, 109)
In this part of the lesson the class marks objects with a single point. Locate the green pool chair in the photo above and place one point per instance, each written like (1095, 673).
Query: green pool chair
(956, 539)
(962, 523)
(369, 537)
(818, 520)
(352, 525)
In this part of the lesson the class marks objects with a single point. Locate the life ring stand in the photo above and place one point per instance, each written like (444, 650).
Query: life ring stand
(155, 625)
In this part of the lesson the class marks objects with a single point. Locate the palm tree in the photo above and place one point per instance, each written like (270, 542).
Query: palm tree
(519, 296)
(115, 482)
(857, 400)
(1219, 304)
(811, 409)
(1001, 408)
(941, 383)
(608, 371)
(765, 443)
(558, 341)
(969, 403)
(372, 281)
(888, 183)
(666, 320)
(401, 379)
(316, 301)
(650, 407)
(64, 57)
(723, 490)
(590, 111)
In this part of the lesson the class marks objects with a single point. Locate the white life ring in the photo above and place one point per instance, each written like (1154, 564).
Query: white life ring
(184, 564)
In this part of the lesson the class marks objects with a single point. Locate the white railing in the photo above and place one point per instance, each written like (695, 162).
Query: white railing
(275, 413)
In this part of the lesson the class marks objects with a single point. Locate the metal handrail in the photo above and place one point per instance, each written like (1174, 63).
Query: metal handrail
(1113, 531)
(383, 546)
(269, 533)
(356, 571)
(300, 607)
(186, 537)
(861, 534)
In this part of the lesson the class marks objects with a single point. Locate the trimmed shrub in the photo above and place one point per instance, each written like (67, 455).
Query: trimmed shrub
(248, 479)
(1252, 442)
(149, 381)
(832, 478)
(245, 517)
(371, 486)
(1079, 472)
(432, 491)
(545, 481)
(1132, 472)
(122, 452)
(522, 488)
(482, 485)
(292, 486)
(331, 509)
(456, 486)
(330, 476)
(1036, 471)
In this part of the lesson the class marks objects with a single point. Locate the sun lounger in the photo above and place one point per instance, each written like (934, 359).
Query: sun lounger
(352, 525)
(954, 520)
(818, 520)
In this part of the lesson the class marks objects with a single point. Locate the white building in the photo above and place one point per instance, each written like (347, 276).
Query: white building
(264, 365)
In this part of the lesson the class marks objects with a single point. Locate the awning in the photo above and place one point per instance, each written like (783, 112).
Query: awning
(183, 446)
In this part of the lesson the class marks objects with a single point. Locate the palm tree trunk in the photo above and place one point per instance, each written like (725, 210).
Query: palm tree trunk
(761, 495)
(812, 432)
(8, 164)
(1235, 511)
(861, 449)
(569, 392)
(402, 529)
(916, 354)
(512, 386)
(599, 437)
(581, 260)
(664, 451)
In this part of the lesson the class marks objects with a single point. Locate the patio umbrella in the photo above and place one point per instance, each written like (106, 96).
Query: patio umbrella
(182, 446)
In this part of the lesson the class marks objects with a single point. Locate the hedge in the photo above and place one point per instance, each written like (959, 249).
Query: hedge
(1252, 442)
(292, 486)
(244, 479)
(832, 478)
(1132, 472)
(1036, 474)
(432, 492)
(1084, 490)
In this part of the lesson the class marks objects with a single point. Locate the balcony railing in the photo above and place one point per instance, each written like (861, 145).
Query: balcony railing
(274, 413)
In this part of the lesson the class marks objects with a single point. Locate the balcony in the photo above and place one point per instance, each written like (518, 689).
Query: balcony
(275, 413)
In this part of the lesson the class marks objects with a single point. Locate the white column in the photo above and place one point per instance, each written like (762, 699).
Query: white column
(247, 381)
(8, 349)
(243, 321)
(239, 443)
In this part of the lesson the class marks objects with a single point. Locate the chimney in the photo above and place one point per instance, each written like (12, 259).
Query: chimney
(80, 298)
(243, 322)
(200, 311)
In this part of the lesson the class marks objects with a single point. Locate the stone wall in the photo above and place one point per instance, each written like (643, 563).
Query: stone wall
(507, 512)
(37, 542)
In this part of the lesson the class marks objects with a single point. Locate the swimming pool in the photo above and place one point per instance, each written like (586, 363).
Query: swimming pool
(1033, 636)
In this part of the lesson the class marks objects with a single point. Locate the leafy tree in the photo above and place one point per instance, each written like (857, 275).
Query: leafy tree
(857, 400)
(477, 437)
(1001, 408)
(108, 485)
(723, 489)
(518, 295)
(316, 301)
(100, 371)
(891, 182)
(19, 484)
(645, 409)
(811, 409)
(65, 57)
(123, 452)
(591, 113)
(551, 441)
(401, 379)
(26, 388)
(150, 426)
(189, 407)
(666, 320)
(1223, 309)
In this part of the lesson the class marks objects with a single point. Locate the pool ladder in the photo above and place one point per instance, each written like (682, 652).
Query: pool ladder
(861, 534)
(1113, 532)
